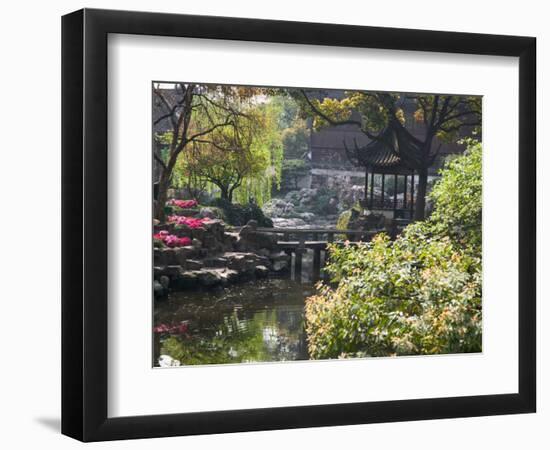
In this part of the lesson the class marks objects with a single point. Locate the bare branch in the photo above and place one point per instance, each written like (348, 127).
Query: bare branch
(209, 130)
(159, 159)
(170, 108)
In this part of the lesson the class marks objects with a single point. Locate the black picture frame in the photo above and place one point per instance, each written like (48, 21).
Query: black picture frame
(84, 224)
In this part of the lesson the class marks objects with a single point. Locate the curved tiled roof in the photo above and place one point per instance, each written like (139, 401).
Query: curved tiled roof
(378, 153)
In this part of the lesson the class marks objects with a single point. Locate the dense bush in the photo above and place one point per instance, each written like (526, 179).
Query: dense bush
(325, 202)
(238, 215)
(457, 199)
(420, 294)
(293, 171)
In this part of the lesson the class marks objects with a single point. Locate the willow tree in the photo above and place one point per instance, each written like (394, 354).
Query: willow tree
(383, 117)
(242, 161)
(193, 112)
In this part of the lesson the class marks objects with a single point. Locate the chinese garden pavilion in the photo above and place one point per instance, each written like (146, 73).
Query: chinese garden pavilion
(380, 158)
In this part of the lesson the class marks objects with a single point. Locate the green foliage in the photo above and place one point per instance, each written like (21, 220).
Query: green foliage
(293, 170)
(343, 223)
(457, 198)
(247, 345)
(295, 140)
(420, 294)
(228, 141)
(240, 161)
(294, 133)
(268, 143)
(343, 220)
(238, 215)
(374, 110)
(325, 202)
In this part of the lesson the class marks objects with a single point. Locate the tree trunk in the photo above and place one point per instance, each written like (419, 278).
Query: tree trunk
(162, 195)
(224, 193)
(420, 207)
(164, 184)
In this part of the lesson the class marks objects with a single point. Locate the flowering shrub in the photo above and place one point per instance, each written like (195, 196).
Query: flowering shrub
(190, 222)
(416, 295)
(178, 328)
(183, 204)
(171, 240)
(420, 294)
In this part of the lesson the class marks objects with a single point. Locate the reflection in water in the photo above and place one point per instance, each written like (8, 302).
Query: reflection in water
(249, 322)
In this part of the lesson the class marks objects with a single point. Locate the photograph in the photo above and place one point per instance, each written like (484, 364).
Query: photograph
(294, 224)
(275, 225)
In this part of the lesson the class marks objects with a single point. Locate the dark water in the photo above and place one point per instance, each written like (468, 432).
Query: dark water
(249, 322)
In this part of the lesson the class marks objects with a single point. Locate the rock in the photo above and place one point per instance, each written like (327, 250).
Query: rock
(253, 241)
(164, 281)
(355, 194)
(263, 252)
(198, 234)
(207, 213)
(246, 230)
(307, 216)
(332, 207)
(279, 266)
(193, 264)
(245, 263)
(168, 361)
(164, 257)
(158, 290)
(296, 222)
(215, 262)
(236, 261)
(278, 207)
(186, 279)
(261, 271)
(280, 261)
(279, 256)
(172, 271)
(184, 253)
(210, 242)
(229, 276)
(229, 241)
(215, 226)
(209, 277)
(230, 237)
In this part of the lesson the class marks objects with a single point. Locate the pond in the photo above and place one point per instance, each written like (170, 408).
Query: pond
(244, 323)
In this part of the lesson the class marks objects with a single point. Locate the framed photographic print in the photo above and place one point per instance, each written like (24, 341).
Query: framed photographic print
(274, 224)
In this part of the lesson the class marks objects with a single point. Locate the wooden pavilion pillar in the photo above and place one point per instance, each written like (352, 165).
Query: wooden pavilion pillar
(412, 195)
(383, 182)
(316, 263)
(405, 193)
(371, 190)
(366, 185)
(394, 194)
(298, 254)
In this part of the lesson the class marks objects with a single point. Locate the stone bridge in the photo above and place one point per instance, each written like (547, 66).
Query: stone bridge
(295, 242)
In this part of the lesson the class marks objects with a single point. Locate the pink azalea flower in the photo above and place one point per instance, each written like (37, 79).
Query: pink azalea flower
(171, 240)
(190, 222)
(183, 204)
(179, 328)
